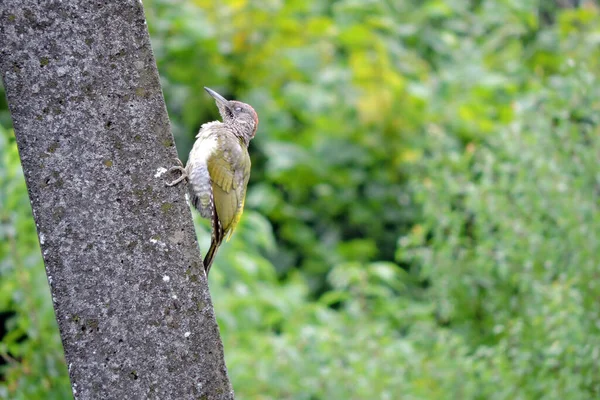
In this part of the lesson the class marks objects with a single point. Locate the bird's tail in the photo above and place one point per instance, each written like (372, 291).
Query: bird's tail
(211, 253)
(217, 235)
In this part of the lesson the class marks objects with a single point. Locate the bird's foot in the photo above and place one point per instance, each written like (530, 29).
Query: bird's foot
(179, 168)
(179, 163)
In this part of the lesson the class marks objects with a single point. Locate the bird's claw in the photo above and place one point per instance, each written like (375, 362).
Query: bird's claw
(178, 161)
(179, 168)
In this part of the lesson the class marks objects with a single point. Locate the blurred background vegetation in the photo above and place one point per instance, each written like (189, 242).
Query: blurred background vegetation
(422, 220)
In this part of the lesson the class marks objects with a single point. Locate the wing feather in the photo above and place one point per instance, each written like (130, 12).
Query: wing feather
(229, 169)
(221, 172)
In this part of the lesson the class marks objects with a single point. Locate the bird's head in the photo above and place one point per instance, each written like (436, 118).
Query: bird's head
(241, 117)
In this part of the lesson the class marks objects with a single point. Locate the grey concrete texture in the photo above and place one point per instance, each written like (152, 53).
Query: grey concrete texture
(120, 251)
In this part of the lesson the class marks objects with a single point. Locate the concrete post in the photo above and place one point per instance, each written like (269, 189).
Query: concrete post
(127, 281)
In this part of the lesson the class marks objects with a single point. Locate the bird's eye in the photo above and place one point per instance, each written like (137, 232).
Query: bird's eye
(238, 109)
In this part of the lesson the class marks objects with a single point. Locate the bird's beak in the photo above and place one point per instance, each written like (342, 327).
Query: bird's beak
(221, 101)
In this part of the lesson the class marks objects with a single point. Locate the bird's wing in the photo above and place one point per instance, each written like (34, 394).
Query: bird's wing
(240, 189)
(229, 172)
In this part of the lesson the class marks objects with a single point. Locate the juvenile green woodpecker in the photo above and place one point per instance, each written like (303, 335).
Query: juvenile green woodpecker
(218, 169)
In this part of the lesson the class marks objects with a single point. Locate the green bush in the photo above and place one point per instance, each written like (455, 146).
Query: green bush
(508, 242)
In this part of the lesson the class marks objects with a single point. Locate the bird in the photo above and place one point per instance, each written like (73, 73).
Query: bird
(218, 169)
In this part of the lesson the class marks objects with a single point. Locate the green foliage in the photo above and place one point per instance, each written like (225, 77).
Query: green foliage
(422, 221)
(508, 239)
